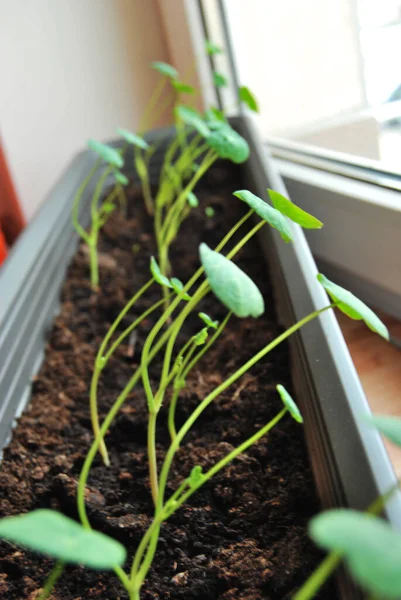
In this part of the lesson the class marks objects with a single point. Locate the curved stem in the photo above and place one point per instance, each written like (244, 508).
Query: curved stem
(318, 577)
(51, 580)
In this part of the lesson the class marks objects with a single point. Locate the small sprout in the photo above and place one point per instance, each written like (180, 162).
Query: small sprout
(196, 476)
(231, 285)
(183, 88)
(108, 208)
(179, 384)
(133, 139)
(289, 404)
(219, 80)
(51, 533)
(107, 153)
(293, 212)
(169, 508)
(208, 321)
(201, 337)
(192, 199)
(248, 98)
(192, 118)
(195, 167)
(267, 213)
(212, 49)
(353, 307)
(227, 143)
(121, 178)
(178, 286)
(370, 547)
(165, 69)
(209, 212)
(157, 274)
(388, 426)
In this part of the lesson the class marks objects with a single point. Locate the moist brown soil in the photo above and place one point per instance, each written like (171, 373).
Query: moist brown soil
(241, 537)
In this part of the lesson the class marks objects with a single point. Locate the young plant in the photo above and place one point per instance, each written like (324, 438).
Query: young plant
(109, 163)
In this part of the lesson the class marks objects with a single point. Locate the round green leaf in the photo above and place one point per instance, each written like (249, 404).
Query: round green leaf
(371, 548)
(121, 178)
(248, 98)
(192, 118)
(183, 88)
(53, 534)
(353, 307)
(157, 274)
(201, 337)
(388, 426)
(219, 80)
(192, 200)
(231, 285)
(228, 144)
(165, 69)
(132, 138)
(212, 49)
(289, 404)
(267, 213)
(208, 321)
(107, 153)
(293, 212)
(209, 212)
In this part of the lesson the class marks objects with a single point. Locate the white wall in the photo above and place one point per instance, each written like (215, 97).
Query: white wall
(70, 70)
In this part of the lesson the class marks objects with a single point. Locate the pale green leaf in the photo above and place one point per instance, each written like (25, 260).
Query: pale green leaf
(157, 274)
(227, 143)
(208, 321)
(107, 153)
(133, 139)
(192, 200)
(178, 286)
(353, 307)
(121, 178)
(388, 426)
(183, 88)
(219, 80)
(293, 212)
(289, 403)
(196, 476)
(53, 534)
(231, 285)
(201, 337)
(212, 49)
(192, 118)
(267, 213)
(248, 98)
(165, 69)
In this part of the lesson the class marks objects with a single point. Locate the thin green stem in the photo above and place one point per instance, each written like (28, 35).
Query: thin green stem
(51, 580)
(78, 196)
(152, 458)
(318, 577)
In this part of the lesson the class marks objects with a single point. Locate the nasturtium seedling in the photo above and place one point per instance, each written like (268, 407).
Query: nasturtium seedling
(293, 212)
(388, 426)
(178, 286)
(353, 307)
(370, 547)
(219, 80)
(215, 118)
(201, 337)
(212, 49)
(227, 143)
(267, 213)
(157, 274)
(165, 69)
(107, 153)
(209, 212)
(208, 321)
(192, 118)
(51, 533)
(182, 88)
(192, 200)
(231, 285)
(289, 403)
(121, 178)
(133, 139)
(196, 476)
(248, 98)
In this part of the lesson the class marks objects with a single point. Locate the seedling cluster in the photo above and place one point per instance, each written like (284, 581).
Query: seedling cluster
(200, 140)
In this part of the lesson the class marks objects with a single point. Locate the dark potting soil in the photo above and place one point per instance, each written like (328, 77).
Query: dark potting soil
(243, 536)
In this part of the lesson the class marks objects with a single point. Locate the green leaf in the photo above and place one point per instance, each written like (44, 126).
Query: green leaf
(201, 337)
(289, 403)
(192, 118)
(178, 286)
(208, 321)
(388, 426)
(53, 534)
(108, 208)
(107, 153)
(157, 274)
(165, 69)
(183, 88)
(192, 200)
(267, 213)
(132, 138)
(231, 285)
(227, 143)
(196, 476)
(353, 307)
(248, 98)
(121, 178)
(372, 549)
(212, 49)
(219, 80)
(293, 212)
(215, 118)
(209, 212)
